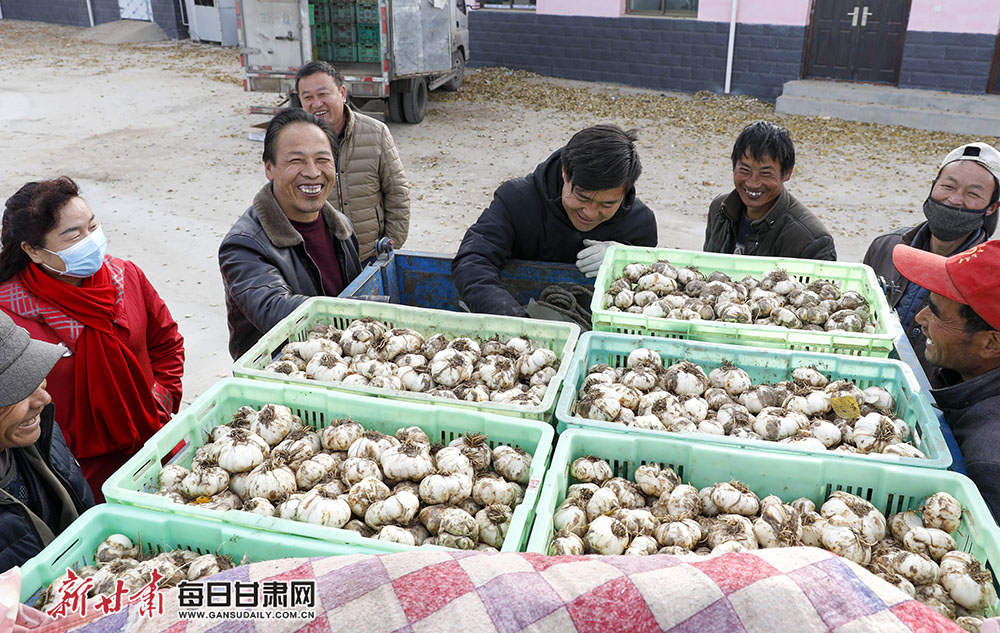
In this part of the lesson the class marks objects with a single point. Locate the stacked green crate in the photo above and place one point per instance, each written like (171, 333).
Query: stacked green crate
(343, 44)
(369, 46)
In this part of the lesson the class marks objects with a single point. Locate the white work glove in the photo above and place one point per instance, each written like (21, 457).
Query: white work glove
(589, 259)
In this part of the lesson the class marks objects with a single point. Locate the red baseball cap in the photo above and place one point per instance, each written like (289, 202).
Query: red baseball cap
(971, 277)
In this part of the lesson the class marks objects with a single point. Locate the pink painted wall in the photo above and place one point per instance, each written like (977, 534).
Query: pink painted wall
(955, 16)
(596, 8)
(785, 12)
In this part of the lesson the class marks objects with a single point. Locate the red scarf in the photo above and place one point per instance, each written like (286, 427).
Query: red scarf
(115, 410)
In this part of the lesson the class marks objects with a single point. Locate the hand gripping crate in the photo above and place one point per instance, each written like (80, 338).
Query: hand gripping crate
(135, 482)
(856, 277)
(891, 489)
(762, 366)
(159, 533)
(558, 337)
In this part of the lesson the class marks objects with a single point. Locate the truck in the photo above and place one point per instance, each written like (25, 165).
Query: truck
(393, 51)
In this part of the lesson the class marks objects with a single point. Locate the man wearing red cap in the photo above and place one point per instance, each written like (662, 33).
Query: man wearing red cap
(961, 212)
(962, 326)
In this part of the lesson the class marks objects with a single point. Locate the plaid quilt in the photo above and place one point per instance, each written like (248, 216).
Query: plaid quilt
(800, 589)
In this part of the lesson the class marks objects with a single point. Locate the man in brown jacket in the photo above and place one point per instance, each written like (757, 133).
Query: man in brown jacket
(371, 187)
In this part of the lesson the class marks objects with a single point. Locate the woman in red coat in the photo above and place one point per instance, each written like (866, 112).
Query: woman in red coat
(120, 379)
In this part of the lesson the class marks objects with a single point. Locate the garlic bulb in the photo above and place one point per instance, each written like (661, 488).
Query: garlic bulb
(313, 470)
(858, 513)
(683, 502)
(774, 423)
(340, 434)
(513, 463)
(399, 508)
(636, 521)
(606, 536)
(567, 545)
(493, 522)
(901, 523)
(241, 451)
(603, 501)
(731, 378)
(273, 423)
(366, 492)
(437, 489)
(685, 533)
(498, 372)
(458, 522)
(732, 527)
(489, 489)
(874, 432)
(941, 511)
(779, 525)
(537, 360)
(327, 367)
(918, 569)
(271, 480)
(371, 445)
(968, 583)
(450, 460)
(642, 545)
(319, 507)
(844, 540)
(628, 493)
(204, 482)
(396, 534)
(115, 547)
(474, 446)
(686, 378)
(354, 469)
(259, 505)
(930, 542)
(450, 367)
(809, 377)
(735, 498)
(407, 460)
(591, 469)
(571, 516)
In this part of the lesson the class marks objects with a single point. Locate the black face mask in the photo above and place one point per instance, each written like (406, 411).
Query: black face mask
(948, 223)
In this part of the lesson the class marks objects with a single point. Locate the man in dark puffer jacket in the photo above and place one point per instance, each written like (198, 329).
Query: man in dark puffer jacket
(760, 217)
(575, 204)
(42, 489)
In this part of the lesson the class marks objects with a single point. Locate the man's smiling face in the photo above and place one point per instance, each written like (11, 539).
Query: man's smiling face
(320, 95)
(759, 183)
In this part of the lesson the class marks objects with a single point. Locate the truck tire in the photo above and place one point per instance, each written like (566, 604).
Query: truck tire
(396, 107)
(458, 65)
(415, 101)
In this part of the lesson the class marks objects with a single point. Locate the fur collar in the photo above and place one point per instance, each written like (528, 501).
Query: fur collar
(281, 232)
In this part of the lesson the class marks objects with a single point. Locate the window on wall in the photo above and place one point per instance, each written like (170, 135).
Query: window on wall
(686, 8)
(507, 4)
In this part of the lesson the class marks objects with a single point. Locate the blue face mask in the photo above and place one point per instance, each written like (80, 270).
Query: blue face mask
(84, 258)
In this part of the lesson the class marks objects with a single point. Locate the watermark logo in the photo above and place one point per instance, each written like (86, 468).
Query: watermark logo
(73, 597)
(238, 600)
(211, 600)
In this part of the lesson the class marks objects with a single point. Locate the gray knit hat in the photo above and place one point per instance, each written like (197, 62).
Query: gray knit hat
(24, 362)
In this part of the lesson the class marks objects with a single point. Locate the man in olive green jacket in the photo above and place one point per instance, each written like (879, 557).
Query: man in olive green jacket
(371, 187)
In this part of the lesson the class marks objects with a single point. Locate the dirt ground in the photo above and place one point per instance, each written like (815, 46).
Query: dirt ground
(156, 136)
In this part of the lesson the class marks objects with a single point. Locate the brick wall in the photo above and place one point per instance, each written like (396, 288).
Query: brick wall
(166, 13)
(657, 53)
(956, 62)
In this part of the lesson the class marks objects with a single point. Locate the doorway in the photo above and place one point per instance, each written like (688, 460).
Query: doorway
(135, 10)
(857, 40)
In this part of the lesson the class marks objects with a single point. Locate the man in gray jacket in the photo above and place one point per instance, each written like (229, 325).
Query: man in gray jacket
(961, 213)
(760, 217)
(962, 326)
(371, 188)
(290, 244)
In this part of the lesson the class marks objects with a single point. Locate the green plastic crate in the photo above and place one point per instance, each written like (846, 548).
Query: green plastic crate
(344, 34)
(158, 533)
(763, 366)
(856, 277)
(889, 488)
(342, 12)
(321, 34)
(344, 52)
(368, 13)
(134, 483)
(559, 337)
(369, 53)
(368, 34)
